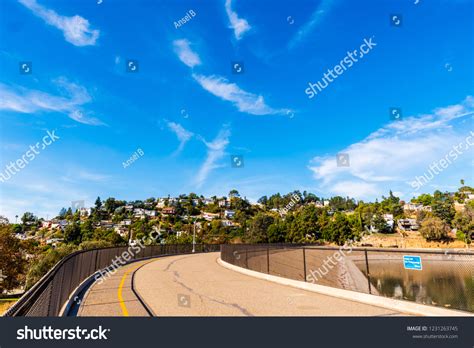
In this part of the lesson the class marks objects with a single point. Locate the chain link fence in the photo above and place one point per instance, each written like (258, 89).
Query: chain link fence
(438, 278)
(50, 293)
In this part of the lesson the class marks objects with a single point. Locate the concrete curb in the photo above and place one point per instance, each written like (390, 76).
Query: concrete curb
(411, 308)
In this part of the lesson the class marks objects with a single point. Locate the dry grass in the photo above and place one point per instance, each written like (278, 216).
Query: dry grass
(411, 240)
(5, 304)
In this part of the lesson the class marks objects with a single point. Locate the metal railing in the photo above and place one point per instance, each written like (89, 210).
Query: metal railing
(50, 293)
(439, 278)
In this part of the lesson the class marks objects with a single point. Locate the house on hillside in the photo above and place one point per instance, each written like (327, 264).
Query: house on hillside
(229, 214)
(408, 225)
(228, 223)
(415, 207)
(107, 224)
(210, 216)
(224, 203)
(389, 220)
(85, 211)
(169, 211)
(207, 201)
(121, 230)
(46, 224)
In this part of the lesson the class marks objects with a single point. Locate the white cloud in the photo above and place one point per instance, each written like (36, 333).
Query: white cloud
(91, 176)
(182, 134)
(321, 11)
(244, 101)
(215, 152)
(355, 189)
(185, 53)
(239, 25)
(392, 156)
(28, 101)
(76, 29)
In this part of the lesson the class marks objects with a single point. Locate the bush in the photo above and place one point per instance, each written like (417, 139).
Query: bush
(434, 229)
(41, 265)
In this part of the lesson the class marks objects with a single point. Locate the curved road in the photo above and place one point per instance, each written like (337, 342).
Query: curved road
(196, 285)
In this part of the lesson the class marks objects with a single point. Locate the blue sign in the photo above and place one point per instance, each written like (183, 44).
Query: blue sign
(412, 262)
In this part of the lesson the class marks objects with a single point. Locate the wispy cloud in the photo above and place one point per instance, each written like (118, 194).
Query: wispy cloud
(239, 25)
(244, 101)
(79, 175)
(215, 152)
(76, 29)
(317, 16)
(182, 134)
(183, 49)
(27, 101)
(91, 176)
(393, 155)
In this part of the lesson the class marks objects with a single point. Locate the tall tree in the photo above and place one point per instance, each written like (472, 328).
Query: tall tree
(12, 263)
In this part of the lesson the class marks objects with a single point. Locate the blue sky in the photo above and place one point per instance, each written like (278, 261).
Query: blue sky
(190, 113)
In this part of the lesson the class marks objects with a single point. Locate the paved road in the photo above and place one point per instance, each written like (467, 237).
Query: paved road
(196, 285)
(114, 296)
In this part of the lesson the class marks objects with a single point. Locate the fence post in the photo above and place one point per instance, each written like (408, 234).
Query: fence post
(246, 257)
(304, 262)
(268, 259)
(368, 272)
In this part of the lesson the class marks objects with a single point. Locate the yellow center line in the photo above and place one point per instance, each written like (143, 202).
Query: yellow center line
(120, 288)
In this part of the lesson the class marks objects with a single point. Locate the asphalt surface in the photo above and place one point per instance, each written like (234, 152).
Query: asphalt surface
(196, 285)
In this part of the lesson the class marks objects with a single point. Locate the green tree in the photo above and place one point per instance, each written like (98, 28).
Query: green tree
(464, 223)
(28, 218)
(426, 199)
(12, 262)
(98, 203)
(277, 232)
(87, 230)
(44, 262)
(444, 210)
(258, 231)
(72, 233)
(339, 229)
(379, 223)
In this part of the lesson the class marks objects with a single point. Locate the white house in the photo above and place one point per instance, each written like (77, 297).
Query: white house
(229, 214)
(150, 213)
(228, 223)
(207, 201)
(224, 203)
(389, 219)
(416, 207)
(210, 216)
(85, 211)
